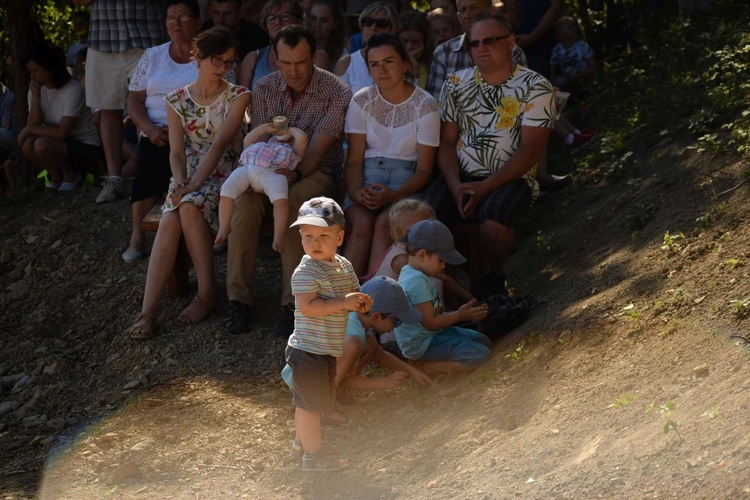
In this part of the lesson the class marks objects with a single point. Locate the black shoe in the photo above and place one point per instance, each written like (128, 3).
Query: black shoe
(493, 284)
(285, 326)
(554, 183)
(237, 319)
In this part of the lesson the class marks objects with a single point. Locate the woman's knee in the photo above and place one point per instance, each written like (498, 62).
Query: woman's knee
(170, 222)
(362, 225)
(28, 146)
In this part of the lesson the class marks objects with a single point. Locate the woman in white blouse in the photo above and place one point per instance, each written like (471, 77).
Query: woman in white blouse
(393, 130)
(161, 70)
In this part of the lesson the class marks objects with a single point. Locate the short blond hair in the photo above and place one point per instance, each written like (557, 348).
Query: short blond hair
(401, 208)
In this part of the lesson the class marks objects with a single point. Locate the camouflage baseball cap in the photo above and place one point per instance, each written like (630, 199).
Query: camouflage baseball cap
(320, 211)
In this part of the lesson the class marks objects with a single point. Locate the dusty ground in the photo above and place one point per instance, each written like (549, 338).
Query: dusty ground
(621, 325)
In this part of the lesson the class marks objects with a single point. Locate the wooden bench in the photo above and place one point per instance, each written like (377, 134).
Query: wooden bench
(179, 280)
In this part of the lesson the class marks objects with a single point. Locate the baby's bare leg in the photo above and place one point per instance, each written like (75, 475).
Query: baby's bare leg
(280, 218)
(226, 208)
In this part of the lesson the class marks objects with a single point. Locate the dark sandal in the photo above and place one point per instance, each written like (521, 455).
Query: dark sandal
(237, 319)
(144, 326)
(322, 462)
(198, 310)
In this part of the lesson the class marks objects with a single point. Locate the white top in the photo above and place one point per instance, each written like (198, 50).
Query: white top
(158, 74)
(357, 75)
(68, 100)
(394, 130)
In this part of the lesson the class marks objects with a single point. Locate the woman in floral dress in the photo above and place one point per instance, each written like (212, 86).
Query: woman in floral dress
(205, 141)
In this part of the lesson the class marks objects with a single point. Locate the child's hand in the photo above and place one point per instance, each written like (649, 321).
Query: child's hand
(421, 378)
(394, 380)
(471, 312)
(221, 236)
(358, 302)
(278, 243)
(270, 128)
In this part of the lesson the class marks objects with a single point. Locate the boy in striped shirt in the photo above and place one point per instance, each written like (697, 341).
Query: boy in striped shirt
(326, 290)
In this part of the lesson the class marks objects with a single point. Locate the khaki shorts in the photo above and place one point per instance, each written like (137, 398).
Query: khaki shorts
(108, 76)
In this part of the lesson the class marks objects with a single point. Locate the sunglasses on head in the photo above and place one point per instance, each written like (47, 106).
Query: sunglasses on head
(489, 41)
(380, 23)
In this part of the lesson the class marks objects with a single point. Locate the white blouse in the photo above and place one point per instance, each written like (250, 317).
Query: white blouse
(394, 130)
(158, 74)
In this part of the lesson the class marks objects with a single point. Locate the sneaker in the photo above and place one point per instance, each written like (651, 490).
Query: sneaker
(321, 462)
(296, 451)
(553, 183)
(285, 326)
(132, 255)
(112, 190)
(580, 141)
(237, 319)
(70, 187)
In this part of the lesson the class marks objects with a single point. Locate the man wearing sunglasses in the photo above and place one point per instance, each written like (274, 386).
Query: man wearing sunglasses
(454, 55)
(495, 121)
(228, 13)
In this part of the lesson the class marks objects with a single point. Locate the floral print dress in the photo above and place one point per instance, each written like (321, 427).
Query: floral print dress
(201, 124)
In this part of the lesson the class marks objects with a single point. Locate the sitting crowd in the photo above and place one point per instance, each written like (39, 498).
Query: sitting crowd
(469, 106)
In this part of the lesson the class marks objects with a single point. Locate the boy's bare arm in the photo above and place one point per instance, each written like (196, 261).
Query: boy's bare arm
(312, 306)
(467, 312)
(360, 383)
(387, 360)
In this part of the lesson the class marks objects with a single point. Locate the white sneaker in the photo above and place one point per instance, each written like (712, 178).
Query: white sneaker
(131, 255)
(112, 189)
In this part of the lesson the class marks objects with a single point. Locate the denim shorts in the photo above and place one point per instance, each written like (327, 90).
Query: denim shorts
(387, 171)
(468, 347)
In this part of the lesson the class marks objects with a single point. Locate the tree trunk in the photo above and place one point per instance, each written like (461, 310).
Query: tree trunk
(21, 39)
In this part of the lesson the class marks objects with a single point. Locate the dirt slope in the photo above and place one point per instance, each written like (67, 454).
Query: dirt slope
(620, 325)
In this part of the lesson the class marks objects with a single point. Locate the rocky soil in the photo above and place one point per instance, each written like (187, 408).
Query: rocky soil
(629, 379)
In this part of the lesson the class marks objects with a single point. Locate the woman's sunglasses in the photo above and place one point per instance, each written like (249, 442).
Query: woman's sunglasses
(379, 23)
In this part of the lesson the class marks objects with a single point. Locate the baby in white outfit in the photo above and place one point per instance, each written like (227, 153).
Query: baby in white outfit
(265, 154)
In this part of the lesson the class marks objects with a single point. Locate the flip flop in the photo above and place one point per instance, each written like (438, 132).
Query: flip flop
(195, 312)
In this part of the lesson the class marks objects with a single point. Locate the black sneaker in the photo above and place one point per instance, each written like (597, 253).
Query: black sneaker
(237, 319)
(285, 326)
(493, 284)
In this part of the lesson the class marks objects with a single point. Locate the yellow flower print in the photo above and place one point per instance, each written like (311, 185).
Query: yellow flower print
(460, 144)
(511, 105)
(454, 79)
(529, 106)
(505, 122)
(477, 77)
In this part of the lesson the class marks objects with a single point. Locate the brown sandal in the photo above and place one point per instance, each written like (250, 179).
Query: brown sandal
(196, 311)
(144, 326)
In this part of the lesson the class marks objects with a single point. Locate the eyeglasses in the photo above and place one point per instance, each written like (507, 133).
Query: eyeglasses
(218, 62)
(379, 23)
(282, 18)
(181, 19)
(489, 41)
(392, 317)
